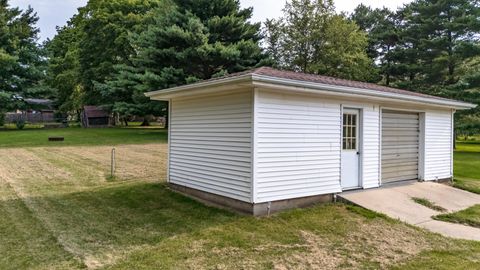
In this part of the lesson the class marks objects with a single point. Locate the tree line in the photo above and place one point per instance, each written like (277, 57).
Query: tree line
(113, 51)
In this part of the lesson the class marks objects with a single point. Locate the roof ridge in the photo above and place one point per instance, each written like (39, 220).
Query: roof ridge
(321, 76)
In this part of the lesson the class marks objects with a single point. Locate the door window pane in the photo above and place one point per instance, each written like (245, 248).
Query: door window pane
(349, 140)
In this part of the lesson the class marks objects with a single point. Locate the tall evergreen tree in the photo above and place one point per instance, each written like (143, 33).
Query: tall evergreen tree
(442, 35)
(22, 61)
(383, 28)
(183, 43)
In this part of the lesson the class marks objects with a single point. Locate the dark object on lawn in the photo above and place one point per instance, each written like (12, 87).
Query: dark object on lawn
(56, 139)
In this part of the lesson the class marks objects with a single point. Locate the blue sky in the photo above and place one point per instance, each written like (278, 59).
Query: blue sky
(56, 12)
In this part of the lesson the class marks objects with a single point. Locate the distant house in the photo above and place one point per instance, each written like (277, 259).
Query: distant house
(39, 111)
(93, 116)
(266, 139)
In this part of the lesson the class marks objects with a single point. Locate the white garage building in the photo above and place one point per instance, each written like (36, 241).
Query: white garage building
(265, 139)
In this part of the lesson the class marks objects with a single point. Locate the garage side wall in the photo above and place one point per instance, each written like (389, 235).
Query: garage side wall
(210, 143)
(438, 145)
(297, 146)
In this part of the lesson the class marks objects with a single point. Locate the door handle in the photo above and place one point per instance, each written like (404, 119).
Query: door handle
(358, 153)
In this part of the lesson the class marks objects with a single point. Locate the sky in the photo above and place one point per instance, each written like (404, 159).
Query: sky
(55, 13)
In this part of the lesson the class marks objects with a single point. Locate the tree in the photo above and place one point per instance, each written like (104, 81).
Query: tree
(103, 28)
(64, 68)
(383, 28)
(311, 38)
(438, 37)
(84, 53)
(22, 60)
(183, 43)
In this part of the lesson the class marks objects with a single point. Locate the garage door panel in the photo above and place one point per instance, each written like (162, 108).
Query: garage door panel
(397, 115)
(407, 144)
(400, 141)
(403, 166)
(401, 124)
(401, 177)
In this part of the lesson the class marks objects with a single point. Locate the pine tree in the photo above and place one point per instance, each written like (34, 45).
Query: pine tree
(382, 26)
(442, 34)
(180, 45)
(22, 61)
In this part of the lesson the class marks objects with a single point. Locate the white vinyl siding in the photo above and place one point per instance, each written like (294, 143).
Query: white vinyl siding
(438, 145)
(210, 143)
(371, 147)
(297, 146)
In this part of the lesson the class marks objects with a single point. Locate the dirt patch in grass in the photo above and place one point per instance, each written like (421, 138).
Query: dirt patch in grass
(377, 244)
(429, 204)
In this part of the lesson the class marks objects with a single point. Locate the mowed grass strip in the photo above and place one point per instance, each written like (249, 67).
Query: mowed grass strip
(79, 136)
(429, 204)
(24, 241)
(60, 212)
(469, 216)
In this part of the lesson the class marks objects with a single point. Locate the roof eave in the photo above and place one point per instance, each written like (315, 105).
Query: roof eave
(167, 94)
(364, 92)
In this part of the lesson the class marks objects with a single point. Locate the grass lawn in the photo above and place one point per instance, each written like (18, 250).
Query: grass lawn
(467, 166)
(80, 136)
(59, 211)
(469, 216)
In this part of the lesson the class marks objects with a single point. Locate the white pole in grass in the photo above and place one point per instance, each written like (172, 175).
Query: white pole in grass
(112, 168)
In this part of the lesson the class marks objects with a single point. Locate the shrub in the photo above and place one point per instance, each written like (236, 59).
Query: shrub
(20, 123)
(2, 119)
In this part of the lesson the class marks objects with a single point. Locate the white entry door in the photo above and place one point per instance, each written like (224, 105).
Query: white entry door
(350, 149)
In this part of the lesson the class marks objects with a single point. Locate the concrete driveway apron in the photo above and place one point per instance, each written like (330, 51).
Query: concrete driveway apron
(396, 201)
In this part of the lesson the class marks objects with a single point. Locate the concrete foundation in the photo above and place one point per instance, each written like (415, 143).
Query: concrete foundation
(259, 209)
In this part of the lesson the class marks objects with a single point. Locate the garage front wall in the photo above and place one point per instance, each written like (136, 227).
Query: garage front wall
(298, 145)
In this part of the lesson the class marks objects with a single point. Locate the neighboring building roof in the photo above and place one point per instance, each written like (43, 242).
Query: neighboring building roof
(95, 112)
(319, 82)
(38, 101)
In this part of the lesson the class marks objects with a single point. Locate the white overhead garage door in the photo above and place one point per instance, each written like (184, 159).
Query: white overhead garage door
(400, 145)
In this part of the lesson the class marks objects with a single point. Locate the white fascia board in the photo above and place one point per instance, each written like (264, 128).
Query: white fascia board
(166, 94)
(318, 87)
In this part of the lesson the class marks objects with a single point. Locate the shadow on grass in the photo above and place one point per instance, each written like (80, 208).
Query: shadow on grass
(131, 215)
(100, 223)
